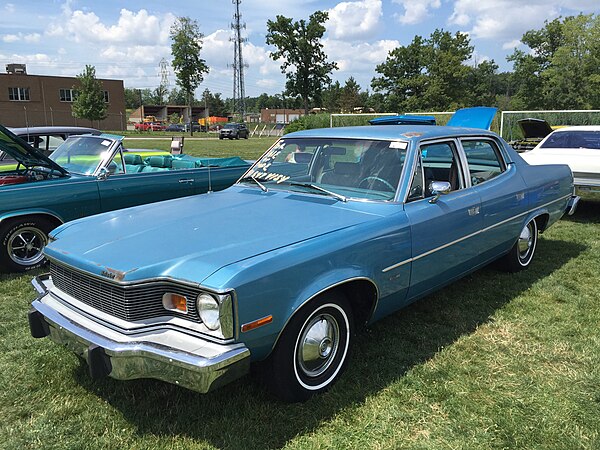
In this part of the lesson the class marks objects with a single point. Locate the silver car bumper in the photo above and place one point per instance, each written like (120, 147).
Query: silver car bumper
(123, 357)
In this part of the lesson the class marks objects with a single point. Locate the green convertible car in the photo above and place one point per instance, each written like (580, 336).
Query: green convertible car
(88, 175)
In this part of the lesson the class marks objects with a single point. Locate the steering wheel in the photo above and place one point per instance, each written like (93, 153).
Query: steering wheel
(380, 180)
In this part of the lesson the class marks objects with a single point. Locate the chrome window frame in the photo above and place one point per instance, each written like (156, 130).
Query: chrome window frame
(497, 150)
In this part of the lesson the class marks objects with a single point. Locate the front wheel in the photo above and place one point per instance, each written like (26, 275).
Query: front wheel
(522, 252)
(313, 349)
(23, 241)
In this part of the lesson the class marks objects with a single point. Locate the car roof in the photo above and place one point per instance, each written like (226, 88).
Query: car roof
(52, 130)
(390, 132)
(578, 128)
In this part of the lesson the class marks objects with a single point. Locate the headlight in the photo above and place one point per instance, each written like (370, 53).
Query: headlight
(208, 309)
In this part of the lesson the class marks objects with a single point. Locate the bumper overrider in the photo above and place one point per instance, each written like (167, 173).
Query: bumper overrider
(190, 362)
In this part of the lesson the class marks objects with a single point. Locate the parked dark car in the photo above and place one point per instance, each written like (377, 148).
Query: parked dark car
(234, 131)
(176, 127)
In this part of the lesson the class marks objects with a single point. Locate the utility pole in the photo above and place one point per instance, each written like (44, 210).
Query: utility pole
(239, 94)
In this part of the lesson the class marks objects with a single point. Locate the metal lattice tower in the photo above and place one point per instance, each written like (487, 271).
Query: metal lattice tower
(239, 94)
(164, 73)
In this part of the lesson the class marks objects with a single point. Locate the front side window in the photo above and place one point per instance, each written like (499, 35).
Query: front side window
(441, 163)
(350, 168)
(18, 94)
(483, 159)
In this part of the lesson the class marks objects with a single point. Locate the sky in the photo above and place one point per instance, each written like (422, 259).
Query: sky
(128, 40)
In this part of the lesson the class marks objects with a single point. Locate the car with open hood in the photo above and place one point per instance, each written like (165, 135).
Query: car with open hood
(89, 174)
(533, 131)
(281, 268)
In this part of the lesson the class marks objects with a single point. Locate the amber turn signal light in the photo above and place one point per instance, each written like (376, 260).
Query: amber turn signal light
(175, 302)
(257, 323)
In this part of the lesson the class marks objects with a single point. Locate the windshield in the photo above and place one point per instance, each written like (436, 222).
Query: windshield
(82, 154)
(340, 168)
(573, 139)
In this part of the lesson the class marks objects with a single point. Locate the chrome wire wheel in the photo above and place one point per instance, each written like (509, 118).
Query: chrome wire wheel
(25, 246)
(318, 345)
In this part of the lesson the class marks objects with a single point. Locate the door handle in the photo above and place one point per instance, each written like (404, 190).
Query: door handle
(186, 180)
(474, 211)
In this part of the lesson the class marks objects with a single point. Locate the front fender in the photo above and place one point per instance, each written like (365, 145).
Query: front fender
(30, 212)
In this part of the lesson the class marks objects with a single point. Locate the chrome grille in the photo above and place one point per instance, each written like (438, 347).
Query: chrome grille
(132, 302)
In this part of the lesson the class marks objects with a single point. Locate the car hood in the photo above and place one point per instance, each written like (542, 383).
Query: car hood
(24, 153)
(534, 128)
(193, 237)
(475, 117)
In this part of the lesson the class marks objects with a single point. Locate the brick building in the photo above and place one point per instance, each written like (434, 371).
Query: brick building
(38, 100)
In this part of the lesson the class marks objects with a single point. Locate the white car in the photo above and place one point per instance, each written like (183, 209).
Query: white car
(579, 147)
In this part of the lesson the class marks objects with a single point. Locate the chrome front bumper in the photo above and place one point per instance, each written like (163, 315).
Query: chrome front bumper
(123, 357)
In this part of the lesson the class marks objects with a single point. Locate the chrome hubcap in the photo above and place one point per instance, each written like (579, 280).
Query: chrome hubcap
(25, 246)
(318, 345)
(525, 241)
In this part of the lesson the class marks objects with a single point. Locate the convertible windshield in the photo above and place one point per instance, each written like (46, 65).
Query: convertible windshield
(573, 139)
(339, 168)
(82, 154)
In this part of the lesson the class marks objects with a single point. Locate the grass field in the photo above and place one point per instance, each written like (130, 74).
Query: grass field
(245, 148)
(494, 361)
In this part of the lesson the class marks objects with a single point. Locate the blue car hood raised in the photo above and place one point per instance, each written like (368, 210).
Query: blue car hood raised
(191, 238)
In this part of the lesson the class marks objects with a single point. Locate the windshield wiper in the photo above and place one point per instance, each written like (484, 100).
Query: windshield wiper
(258, 183)
(320, 189)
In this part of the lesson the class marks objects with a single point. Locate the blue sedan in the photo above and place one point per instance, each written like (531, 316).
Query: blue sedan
(328, 231)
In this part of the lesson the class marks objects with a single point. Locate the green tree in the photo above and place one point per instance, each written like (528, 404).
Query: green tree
(89, 103)
(562, 68)
(426, 74)
(186, 45)
(350, 95)
(214, 103)
(305, 63)
(177, 97)
(132, 98)
(330, 98)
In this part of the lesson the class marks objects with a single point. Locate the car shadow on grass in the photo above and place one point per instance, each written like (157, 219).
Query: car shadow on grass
(588, 211)
(244, 415)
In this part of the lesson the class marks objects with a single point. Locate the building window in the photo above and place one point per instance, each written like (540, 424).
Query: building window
(106, 100)
(67, 95)
(18, 94)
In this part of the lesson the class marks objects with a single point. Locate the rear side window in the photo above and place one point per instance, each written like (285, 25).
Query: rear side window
(484, 160)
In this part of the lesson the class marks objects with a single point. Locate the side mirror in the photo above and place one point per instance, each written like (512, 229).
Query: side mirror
(439, 188)
(103, 174)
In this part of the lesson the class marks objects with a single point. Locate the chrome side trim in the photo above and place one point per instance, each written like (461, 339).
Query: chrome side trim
(30, 213)
(483, 230)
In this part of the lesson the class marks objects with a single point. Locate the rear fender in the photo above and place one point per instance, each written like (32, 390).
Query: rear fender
(31, 212)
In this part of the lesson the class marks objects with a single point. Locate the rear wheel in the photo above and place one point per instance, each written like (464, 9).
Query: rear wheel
(313, 350)
(522, 252)
(23, 241)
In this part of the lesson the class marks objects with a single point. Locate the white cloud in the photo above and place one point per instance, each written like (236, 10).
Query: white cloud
(415, 11)
(8, 38)
(354, 20)
(511, 45)
(358, 60)
(29, 38)
(9, 8)
(33, 37)
(137, 28)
